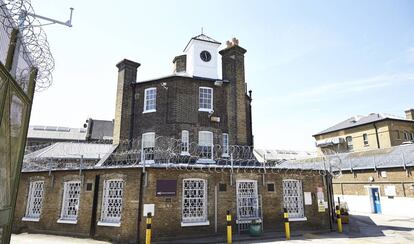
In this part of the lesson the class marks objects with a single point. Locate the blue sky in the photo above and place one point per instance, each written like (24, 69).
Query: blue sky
(310, 64)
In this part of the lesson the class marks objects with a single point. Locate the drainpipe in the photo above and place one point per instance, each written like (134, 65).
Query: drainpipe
(140, 205)
(376, 134)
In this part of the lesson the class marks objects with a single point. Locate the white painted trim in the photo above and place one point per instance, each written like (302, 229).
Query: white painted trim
(30, 219)
(145, 100)
(187, 224)
(205, 110)
(149, 111)
(101, 223)
(297, 219)
(66, 221)
(211, 102)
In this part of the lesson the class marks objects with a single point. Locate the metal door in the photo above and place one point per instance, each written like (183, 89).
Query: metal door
(376, 200)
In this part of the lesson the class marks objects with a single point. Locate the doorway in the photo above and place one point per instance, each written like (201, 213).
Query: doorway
(374, 195)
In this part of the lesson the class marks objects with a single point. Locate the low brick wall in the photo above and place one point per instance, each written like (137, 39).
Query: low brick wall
(166, 222)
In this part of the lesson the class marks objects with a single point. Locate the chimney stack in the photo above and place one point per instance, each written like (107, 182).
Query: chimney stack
(180, 63)
(409, 114)
(127, 75)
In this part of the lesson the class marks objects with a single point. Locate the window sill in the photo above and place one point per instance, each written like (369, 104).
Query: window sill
(148, 162)
(185, 154)
(101, 223)
(30, 219)
(205, 161)
(187, 224)
(205, 110)
(67, 221)
(297, 219)
(149, 111)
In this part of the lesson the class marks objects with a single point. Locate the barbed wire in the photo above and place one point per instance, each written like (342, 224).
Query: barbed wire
(32, 48)
(172, 153)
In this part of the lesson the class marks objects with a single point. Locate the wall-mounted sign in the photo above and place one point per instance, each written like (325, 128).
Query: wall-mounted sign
(390, 191)
(215, 119)
(149, 208)
(166, 188)
(308, 198)
(321, 206)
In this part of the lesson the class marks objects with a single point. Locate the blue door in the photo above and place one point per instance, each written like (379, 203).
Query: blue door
(376, 200)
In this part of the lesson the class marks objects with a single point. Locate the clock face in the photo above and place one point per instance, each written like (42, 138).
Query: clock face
(205, 56)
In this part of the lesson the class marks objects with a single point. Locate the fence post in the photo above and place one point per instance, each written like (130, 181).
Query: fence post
(287, 226)
(338, 218)
(148, 231)
(229, 233)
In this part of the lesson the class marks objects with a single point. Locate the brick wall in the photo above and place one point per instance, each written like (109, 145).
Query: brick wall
(167, 217)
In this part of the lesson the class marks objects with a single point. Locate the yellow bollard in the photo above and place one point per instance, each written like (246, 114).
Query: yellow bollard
(229, 234)
(338, 218)
(148, 231)
(286, 220)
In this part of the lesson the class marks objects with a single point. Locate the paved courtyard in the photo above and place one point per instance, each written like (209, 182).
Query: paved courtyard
(364, 228)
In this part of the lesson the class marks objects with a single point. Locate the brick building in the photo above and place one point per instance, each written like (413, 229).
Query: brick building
(361, 133)
(377, 181)
(183, 151)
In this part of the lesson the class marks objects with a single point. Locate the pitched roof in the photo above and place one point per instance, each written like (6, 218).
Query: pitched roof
(67, 150)
(361, 120)
(202, 37)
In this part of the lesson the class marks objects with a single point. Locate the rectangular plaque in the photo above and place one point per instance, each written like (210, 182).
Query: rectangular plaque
(166, 188)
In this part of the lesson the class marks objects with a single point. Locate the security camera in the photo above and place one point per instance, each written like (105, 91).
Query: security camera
(210, 113)
(164, 84)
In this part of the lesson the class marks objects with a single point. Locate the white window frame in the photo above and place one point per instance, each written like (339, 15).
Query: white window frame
(349, 143)
(209, 143)
(146, 146)
(247, 201)
(107, 195)
(70, 200)
(205, 109)
(225, 146)
(194, 220)
(185, 143)
(293, 199)
(365, 139)
(34, 202)
(147, 99)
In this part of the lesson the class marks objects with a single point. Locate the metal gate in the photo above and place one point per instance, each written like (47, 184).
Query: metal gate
(248, 204)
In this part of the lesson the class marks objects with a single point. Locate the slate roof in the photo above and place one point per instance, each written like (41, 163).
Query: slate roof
(361, 120)
(395, 157)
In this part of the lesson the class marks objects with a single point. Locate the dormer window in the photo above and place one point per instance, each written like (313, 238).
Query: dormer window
(205, 99)
(150, 100)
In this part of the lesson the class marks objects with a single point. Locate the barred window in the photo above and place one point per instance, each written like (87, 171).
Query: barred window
(247, 200)
(225, 145)
(194, 202)
(70, 201)
(205, 143)
(34, 200)
(293, 198)
(112, 201)
(184, 142)
(205, 99)
(150, 100)
(148, 146)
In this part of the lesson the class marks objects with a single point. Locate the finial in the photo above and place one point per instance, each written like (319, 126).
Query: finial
(201, 30)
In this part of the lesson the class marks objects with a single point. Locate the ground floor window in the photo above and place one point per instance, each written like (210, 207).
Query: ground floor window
(34, 200)
(112, 201)
(247, 200)
(194, 210)
(70, 201)
(293, 198)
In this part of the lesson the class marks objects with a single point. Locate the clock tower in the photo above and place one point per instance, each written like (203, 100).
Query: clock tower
(202, 52)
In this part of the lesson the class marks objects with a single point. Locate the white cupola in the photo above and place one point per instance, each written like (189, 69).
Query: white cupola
(202, 53)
